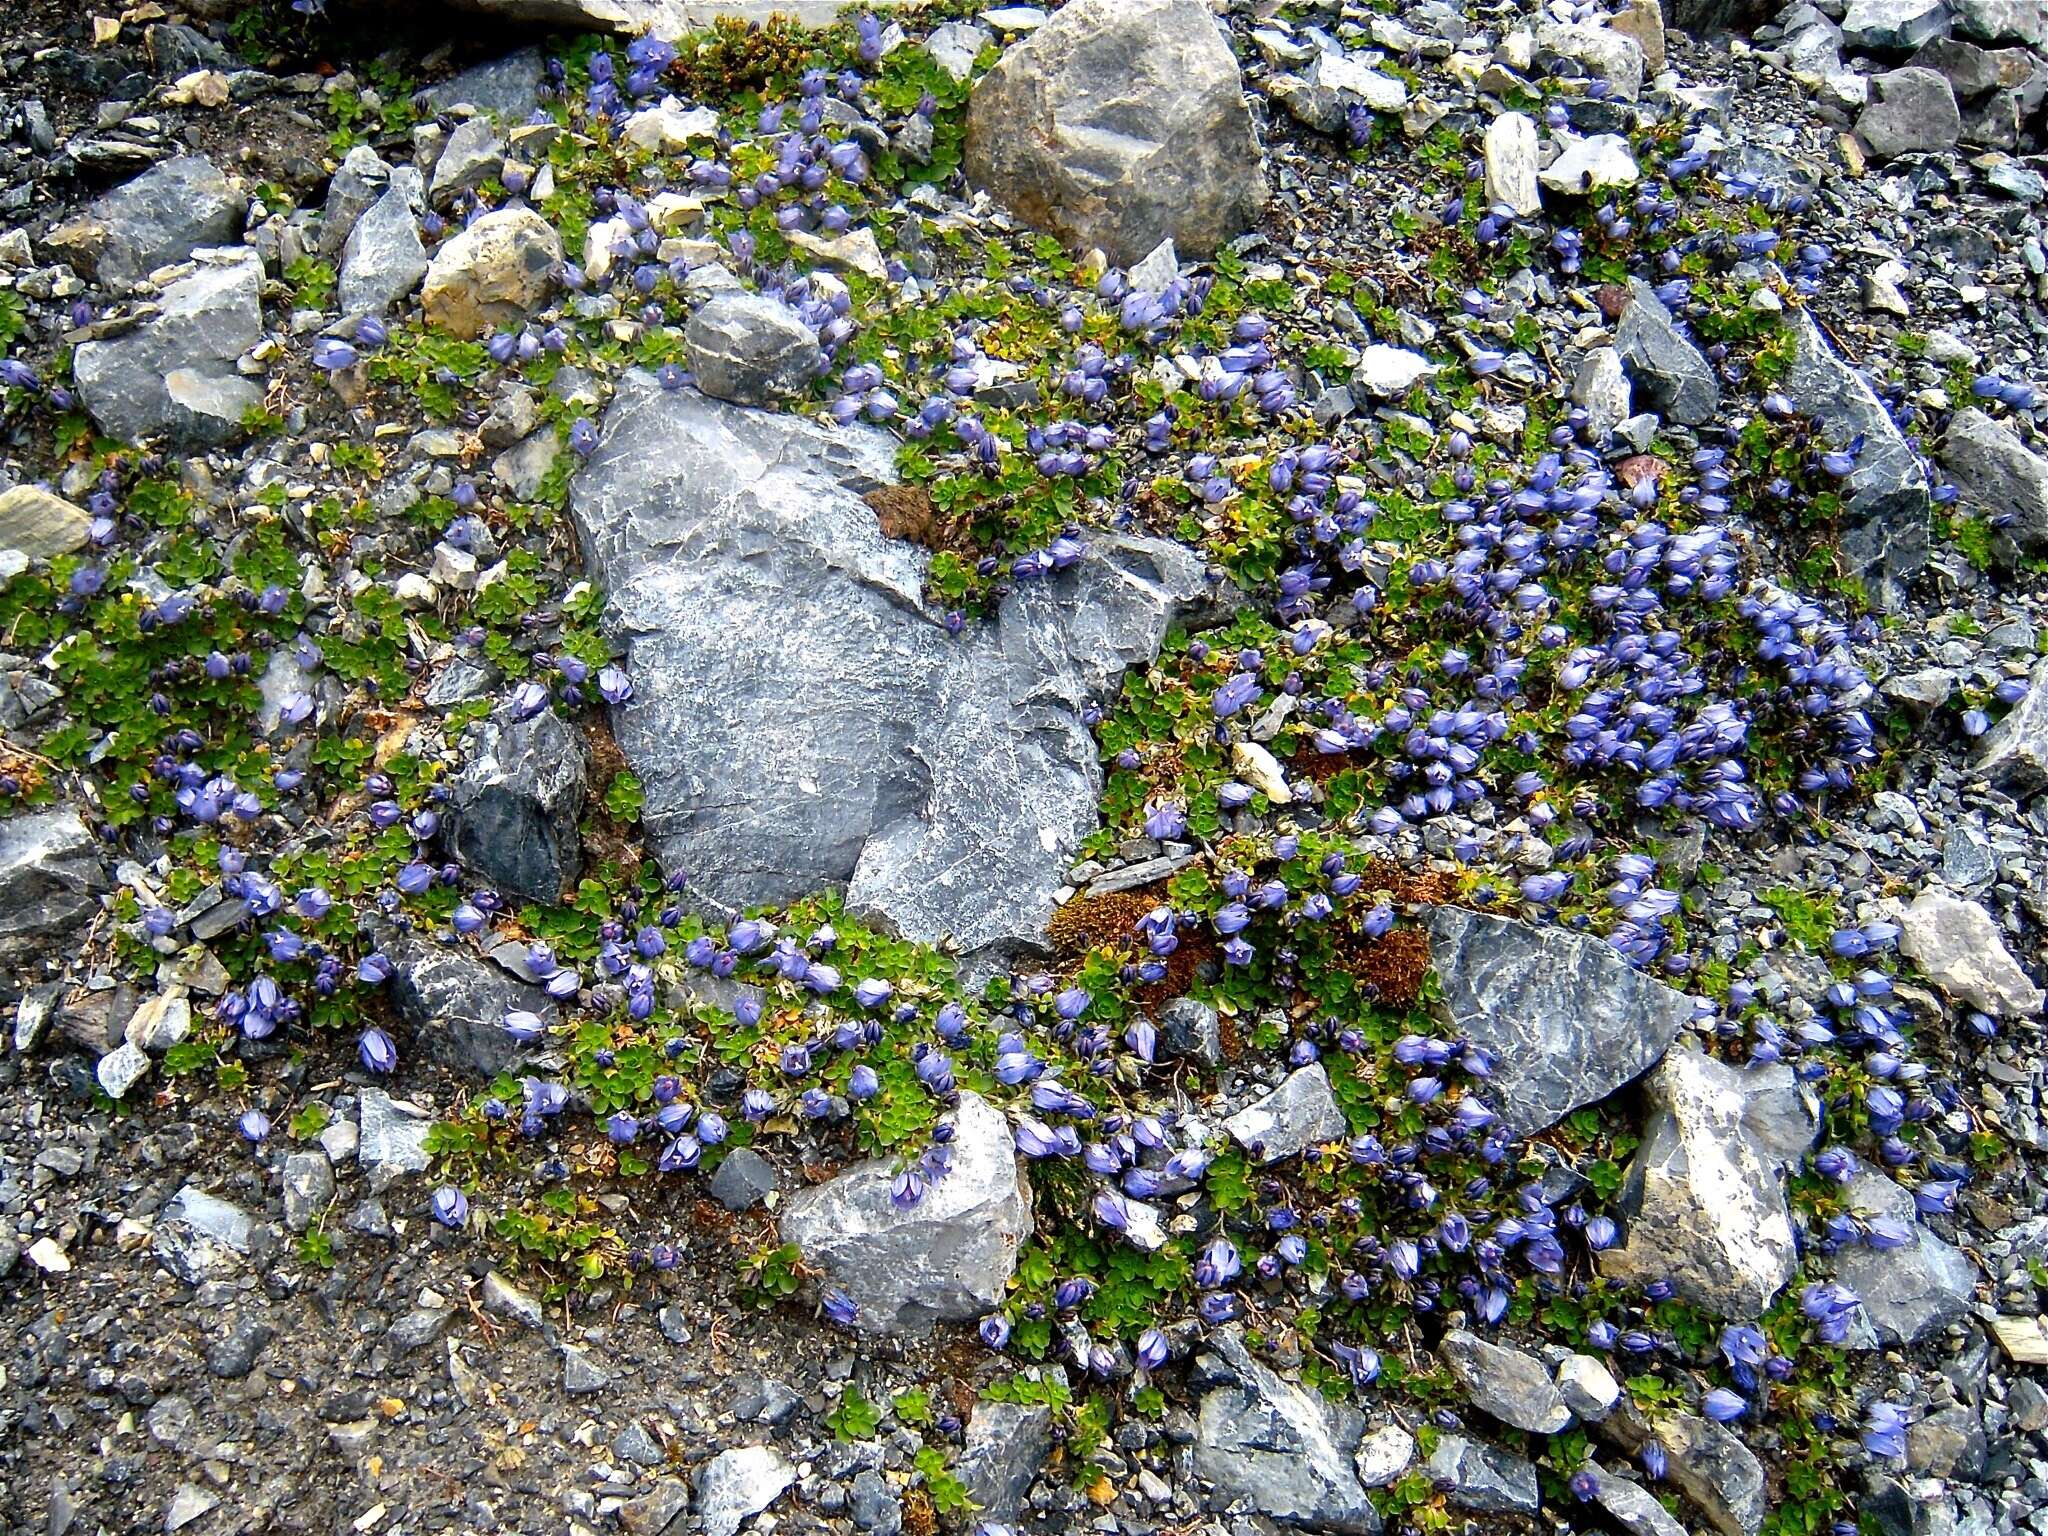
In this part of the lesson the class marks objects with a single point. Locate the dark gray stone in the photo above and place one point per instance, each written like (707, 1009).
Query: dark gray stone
(2001, 21)
(801, 719)
(507, 87)
(513, 809)
(1705, 1197)
(456, 1004)
(1911, 1292)
(391, 1138)
(1273, 1447)
(1513, 1387)
(162, 216)
(744, 1179)
(1884, 500)
(946, 1259)
(1567, 1019)
(1633, 1507)
(174, 375)
(1999, 477)
(2014, 752)
(1669, 370)
(51, 878)
(1913, 111)
(1119, 124)
(1007, 1445)
(233, 1355)
(1482, 1478)
(1191, 1029)
(656, 1510)
(750, 349)
(473, 155)
(308, 1188)
(418, 1327)
(873, 1504)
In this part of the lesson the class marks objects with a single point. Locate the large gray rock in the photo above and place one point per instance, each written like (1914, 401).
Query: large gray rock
(750, 349)
(1118, 124)
(1567, 1019)
(1706, 1463)
(1914, 113)
(2002, 21)
(947, 1258)
(1301, 1113)
(509, 88)
(801, 719)
(1957, 946)
(1476, 1476)
(1705, 1196)
(1632, 1506)
(513, 809)
(1884, 499)
(1907, 1292)
(1006, 1446)
(162, 216)
(1999, 477)
(1674, 378)
(456, 1004)
(1273, 1447)
(384, 257)
(473, 155)
(2014, 752)
(1513, 1387)
(51, 877)
(1892, 26)
(174, 375)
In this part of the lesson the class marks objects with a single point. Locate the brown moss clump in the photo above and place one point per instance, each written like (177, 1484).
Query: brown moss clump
(1101, 922)
(1394, 965)
(919, 1518)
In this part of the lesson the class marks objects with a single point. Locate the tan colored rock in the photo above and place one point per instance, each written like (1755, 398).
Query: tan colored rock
(40, 525)
(496, 272)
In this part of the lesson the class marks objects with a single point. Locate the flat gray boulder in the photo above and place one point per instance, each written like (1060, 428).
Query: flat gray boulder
(162, 216)
(1301, 1113)
(802, 719)
(946, 1259)
(1119, 124)
(1567, 1019)
(174, 376)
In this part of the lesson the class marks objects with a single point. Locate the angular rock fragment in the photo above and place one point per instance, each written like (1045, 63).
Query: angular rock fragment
(1914, 113)
(1299, 1114)
(1884, 498)
(160, 217)
(1513, 1387)
(1999, 478)
(1957, 946)
(384, 258)
(1666, 366)
(1007, 1444)
(40, 525)
(513, 810)
(51, 878)
(1118, 124)
(174, 375)
(456, 1004)
(738, 1484)
(1910, 1292)
(945, 1259)
(749, 349)
(1567, 1019)
(1704, 1196)
(1274, 1447)
(1483, 1478)
(801, 719)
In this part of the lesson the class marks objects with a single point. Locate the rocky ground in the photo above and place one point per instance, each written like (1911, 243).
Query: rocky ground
(1132, 769)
